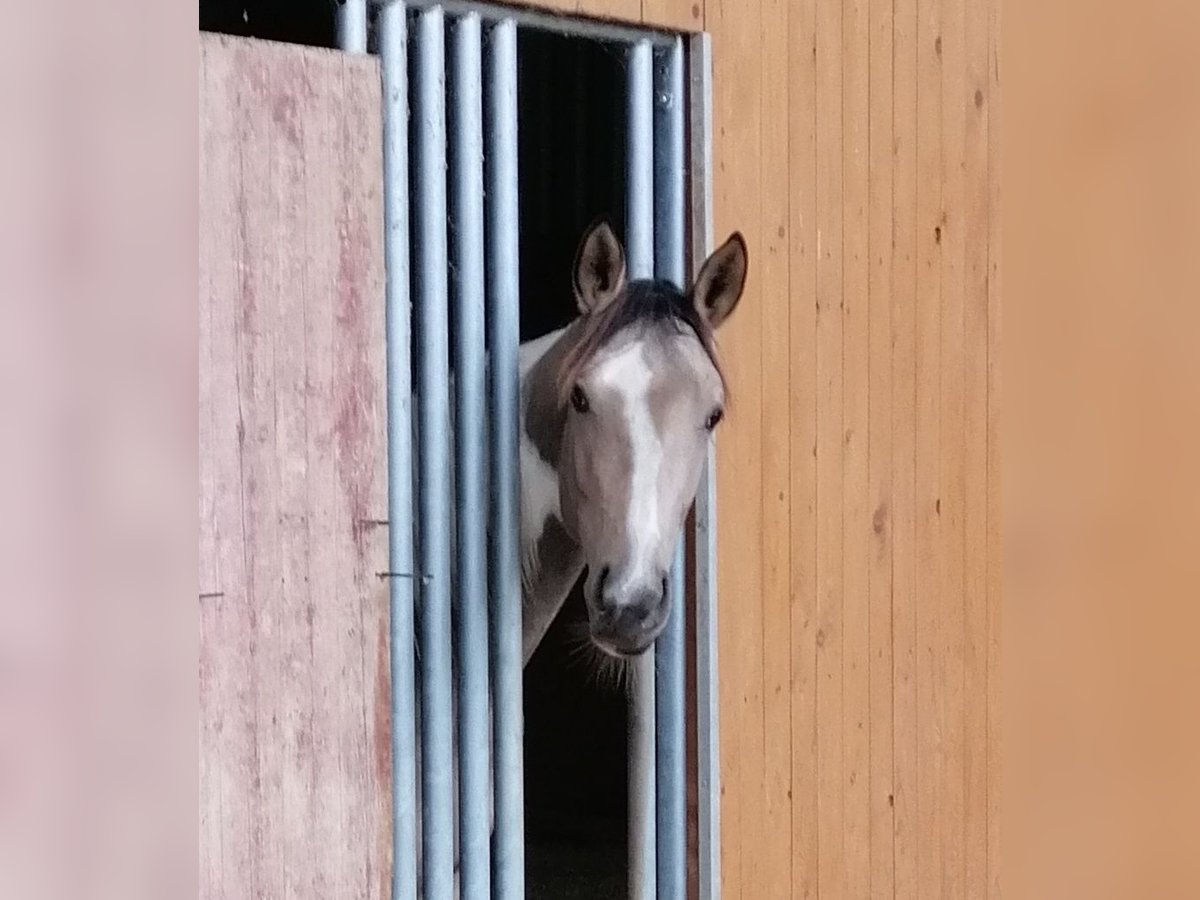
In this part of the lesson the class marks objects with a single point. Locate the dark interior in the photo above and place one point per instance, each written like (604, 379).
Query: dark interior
(571, 171)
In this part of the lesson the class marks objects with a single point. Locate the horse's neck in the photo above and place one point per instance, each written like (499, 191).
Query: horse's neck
(550, 561)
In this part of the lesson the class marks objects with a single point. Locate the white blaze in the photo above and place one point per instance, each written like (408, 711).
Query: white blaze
(627, 375)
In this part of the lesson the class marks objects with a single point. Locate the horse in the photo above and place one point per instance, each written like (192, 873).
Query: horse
(617, 410)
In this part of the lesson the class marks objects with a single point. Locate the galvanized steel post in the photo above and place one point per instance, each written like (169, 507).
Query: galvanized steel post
(433, 483)
(470, 459)
(639, 241)
(352, 25)
(708, 788)
(393, 50)
(671, 770)
(504, 571)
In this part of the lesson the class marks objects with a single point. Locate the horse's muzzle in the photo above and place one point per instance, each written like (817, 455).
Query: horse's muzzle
(628, 625)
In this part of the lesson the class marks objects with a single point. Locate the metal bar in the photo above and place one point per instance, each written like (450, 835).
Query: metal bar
(700, 166)
(434, 487)
(352, 25)
(547, 20)
(393, 49)
(669, 676)
(639, 240)
(470, 460)
(504, 572)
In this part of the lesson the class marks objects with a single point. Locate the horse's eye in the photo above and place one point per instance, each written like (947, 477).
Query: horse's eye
(579, 399)
(713, 418)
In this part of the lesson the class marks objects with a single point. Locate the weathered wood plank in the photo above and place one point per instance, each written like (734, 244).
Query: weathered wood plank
(294, 724)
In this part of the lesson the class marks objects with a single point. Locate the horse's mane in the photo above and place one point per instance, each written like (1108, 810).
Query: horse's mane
(647, 301)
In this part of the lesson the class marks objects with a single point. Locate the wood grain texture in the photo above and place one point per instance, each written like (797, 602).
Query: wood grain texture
(904, 565)
(776, 459)
(975, 444)
(889, 383)
(856, 512)
(952, 821)
(879, 447)
(802, 413)
(931, 670)
(675, 15)
(294, 729)
(995, 420)
(737, 204)
(832, 874)
(629, 11)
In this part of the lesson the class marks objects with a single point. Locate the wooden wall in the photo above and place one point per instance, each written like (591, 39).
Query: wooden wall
(854, 145)
(856, 148)
(294, 715)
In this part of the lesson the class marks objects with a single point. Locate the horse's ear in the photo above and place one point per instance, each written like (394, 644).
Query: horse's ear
(719, 285)
(599, 273)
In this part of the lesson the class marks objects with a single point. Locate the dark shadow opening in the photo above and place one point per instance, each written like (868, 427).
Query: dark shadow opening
(308, 22)
(572, 164)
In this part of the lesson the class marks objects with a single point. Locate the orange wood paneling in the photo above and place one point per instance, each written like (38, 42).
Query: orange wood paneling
(621, 10)
(975, 443)
(774, 265)
(738, 92)
(831, 832)
(803, 246)
(888, 501)
(677, 15)
(854, 451)
(994, 544)
(904, 564)
(879, 448)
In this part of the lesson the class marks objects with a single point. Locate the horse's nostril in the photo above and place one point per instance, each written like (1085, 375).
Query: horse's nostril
(664, 587)
(600, 583)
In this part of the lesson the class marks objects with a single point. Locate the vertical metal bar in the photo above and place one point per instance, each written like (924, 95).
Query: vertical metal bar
(470, 385)
(639, 163)
(352, 25)
(393, 49)
(669, 676)
(434, 488)
(503, 323)
(639, 240)
(707, 731)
